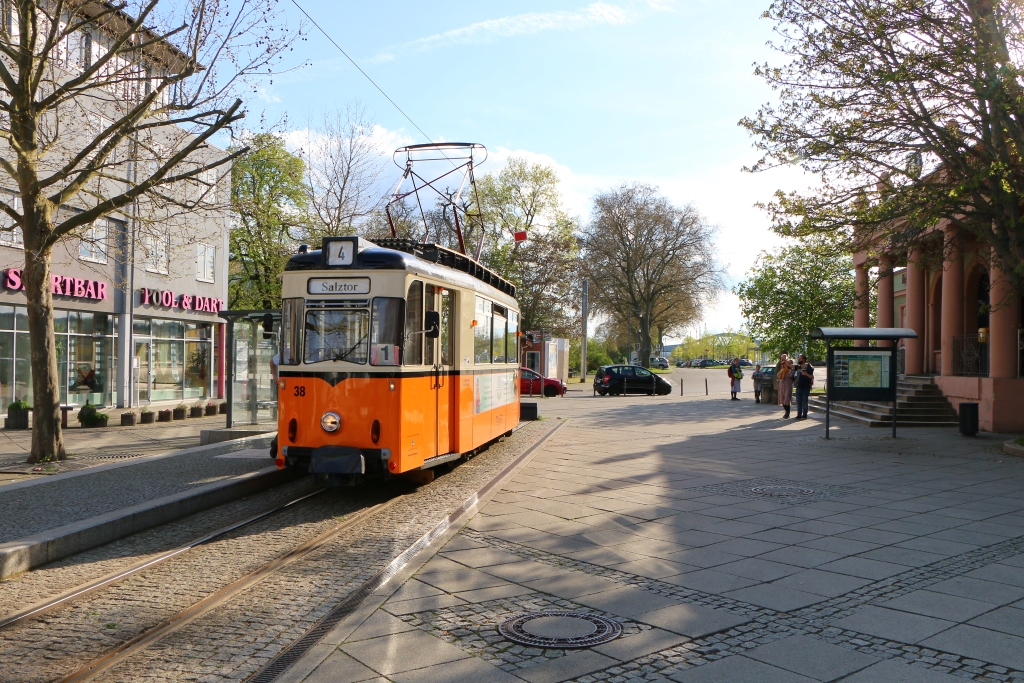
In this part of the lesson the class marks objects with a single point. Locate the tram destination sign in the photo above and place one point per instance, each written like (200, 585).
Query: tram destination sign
(338, 285)
(861, 374)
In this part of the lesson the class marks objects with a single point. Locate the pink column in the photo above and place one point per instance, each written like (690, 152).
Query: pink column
(221, 360)
(915, 314)
(886, 310)
(1003, 323)
(861, 311)
(952, 321)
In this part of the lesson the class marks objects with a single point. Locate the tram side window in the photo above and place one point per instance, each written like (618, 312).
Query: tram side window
(386, 332)
(482, 332)
(291, 331)
(447, 317)
(333, 335)
(414, 324)
(512, 338)
(498, 352)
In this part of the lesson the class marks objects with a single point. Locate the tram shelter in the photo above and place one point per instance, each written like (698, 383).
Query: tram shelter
(252, 342)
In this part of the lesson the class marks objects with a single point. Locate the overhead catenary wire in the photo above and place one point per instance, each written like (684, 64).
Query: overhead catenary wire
(360, 69)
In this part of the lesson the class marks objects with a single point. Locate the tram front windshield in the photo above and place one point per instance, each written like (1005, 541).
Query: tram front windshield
(333, 335)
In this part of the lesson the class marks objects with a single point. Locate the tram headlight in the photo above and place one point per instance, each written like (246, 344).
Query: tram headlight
(331, 422)
(375, 431)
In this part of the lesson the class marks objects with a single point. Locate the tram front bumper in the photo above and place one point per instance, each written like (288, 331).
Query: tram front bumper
(337, 460)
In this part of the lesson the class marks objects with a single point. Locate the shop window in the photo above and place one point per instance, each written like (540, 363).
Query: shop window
(141, 326)
(6, 367)
(168, 329)
(197, 368)
(206, 261)
(6, 317)
(157, 249)
(60, 321)
(92, 245)
(198, 331)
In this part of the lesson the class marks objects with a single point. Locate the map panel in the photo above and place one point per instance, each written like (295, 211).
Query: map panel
(861, 369)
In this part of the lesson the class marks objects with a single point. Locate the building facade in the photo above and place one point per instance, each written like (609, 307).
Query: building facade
(132, 327)
(967, 317)
(137, 294)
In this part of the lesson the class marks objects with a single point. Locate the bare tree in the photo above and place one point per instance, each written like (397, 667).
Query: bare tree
(344, 167)
(648, 262)
(110, 109)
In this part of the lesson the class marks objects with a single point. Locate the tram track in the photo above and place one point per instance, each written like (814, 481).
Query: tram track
(222, 595)
(85, 589)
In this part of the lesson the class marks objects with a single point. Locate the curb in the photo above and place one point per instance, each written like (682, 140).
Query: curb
(1012, 448)
(131, 462)
(19, 556)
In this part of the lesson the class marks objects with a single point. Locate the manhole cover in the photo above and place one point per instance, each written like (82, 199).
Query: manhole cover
(782, 491)
(559, 629)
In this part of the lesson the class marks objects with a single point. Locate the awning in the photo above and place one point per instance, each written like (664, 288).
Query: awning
(878, 333)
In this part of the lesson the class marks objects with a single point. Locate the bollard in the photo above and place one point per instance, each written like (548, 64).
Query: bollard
(680, 386)
(706, 387)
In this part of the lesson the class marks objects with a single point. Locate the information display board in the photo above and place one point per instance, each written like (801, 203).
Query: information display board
(861, 374)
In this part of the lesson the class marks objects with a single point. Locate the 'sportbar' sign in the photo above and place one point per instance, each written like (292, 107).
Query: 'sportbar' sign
(61, 285)
(167, 299)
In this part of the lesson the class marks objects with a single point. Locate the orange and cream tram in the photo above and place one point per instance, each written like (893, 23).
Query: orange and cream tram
(395, 357)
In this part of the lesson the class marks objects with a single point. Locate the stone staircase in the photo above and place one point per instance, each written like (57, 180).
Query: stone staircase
(919, 403)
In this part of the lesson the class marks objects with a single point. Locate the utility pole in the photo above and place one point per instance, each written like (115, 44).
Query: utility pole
(583, 349)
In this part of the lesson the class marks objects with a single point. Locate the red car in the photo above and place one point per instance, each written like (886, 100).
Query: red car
(531, 382)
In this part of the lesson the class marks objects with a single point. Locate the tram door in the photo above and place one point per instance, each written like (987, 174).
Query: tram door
(440, 355)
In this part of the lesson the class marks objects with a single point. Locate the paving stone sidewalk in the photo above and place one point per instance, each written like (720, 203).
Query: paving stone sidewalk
(36, 505)
(892, 560)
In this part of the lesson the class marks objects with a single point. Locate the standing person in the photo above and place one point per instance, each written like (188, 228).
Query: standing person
(786, 385)
(804, 381)
(757, 377)
(736, 375)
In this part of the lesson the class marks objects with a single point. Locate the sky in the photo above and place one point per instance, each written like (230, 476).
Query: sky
(605, 92)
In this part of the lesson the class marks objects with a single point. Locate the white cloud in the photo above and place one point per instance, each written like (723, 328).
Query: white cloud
(723, 193)
(594, 14)
(384, 140)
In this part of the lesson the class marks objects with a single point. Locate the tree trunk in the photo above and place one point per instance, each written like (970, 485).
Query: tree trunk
(47, 439)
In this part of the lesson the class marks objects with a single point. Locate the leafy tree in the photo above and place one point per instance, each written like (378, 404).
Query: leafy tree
(908, 111)
(269, 199)
(793, 290)
(597, 353)
(523, 197)
(109, 108)
(648, 262)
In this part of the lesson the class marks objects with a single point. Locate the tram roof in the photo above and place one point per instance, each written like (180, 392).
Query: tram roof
(403, 254)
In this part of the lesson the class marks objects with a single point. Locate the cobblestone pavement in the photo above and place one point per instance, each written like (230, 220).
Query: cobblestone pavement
(239, 636)
(890, 560)
(52, 502)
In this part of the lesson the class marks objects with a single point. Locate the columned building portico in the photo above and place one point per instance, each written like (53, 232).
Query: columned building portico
(967, 316)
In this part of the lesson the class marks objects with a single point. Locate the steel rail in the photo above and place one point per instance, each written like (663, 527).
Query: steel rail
(87, 588)
(140, 642)
(211, 601)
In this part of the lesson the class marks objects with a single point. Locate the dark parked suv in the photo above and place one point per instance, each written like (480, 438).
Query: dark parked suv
(628, 379)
